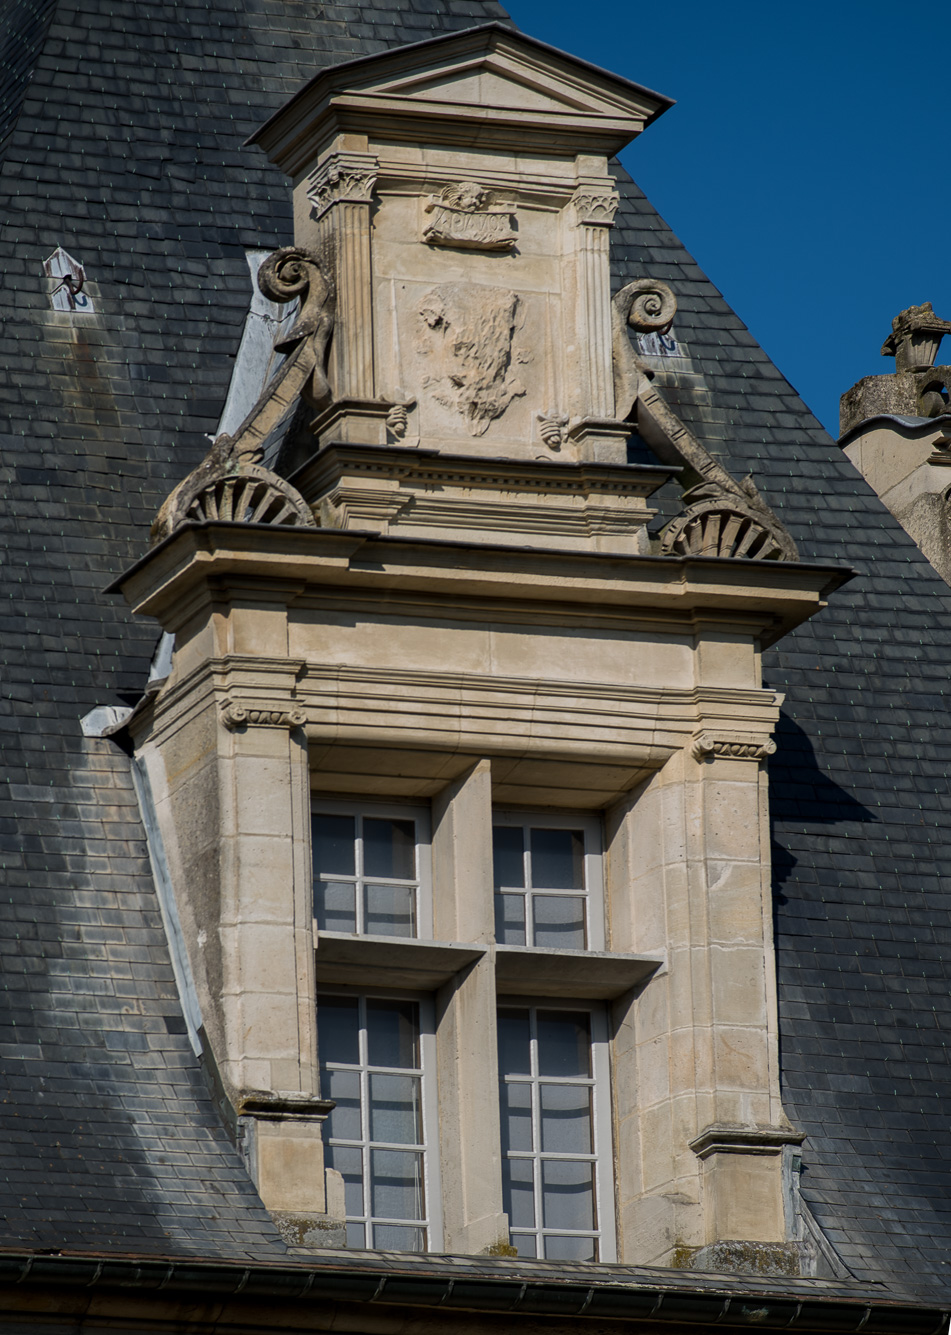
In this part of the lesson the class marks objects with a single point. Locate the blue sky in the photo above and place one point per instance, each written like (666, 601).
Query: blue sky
(804, 165)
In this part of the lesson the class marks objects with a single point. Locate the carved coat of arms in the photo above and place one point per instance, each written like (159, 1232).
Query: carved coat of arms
(465, 342)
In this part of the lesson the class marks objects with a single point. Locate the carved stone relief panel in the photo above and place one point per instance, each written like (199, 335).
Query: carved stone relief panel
(462, 215)
(464, 343)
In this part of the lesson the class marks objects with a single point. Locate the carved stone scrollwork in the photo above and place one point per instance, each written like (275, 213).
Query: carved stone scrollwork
(462, 217)
(647, 305)
(595, 208)
(229, 483)
(725, 747)
(723, 517)
(235, 716)
(718, 524)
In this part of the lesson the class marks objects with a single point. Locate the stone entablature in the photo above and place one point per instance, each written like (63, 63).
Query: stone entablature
(419, 493)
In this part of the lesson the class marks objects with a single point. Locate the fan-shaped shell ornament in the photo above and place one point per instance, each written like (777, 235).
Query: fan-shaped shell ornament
(252, 496)
(717, 528)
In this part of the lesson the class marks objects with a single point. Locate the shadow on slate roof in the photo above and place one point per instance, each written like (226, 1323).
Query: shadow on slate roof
(127, 151)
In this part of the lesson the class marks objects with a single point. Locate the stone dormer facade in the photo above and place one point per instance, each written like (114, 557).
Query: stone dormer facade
(447, 634)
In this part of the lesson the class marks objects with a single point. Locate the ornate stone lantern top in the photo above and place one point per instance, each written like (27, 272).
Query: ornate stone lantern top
(915, 338)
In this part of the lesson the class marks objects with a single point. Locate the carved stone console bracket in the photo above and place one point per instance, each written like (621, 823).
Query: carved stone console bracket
(461, 216)
(552, 427)
(235, 716)
(266, 1106)
(730, 746)
(229, 483)
(724, 518)
(718, 1138)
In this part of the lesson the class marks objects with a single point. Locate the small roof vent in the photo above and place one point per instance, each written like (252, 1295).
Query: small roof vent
(68, 281)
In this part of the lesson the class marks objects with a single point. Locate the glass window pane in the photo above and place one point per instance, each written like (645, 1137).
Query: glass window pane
(514, 1042)
(524, 1244)
(393, 1033)
(335, 906)
(396, 1184)
(390, 910)
(566, 1119)
(559, 921)
(356, 1235)
(567, 1194)
(510, 920)
(338, 1030)
(571, 1249)
(344, 1088)
(349, 1162)
(557, 859)
(517, 1117)
(564, 1043)
(395, 1110)
(507, 850)
(518, 1192)
(398, 1238)
(333, 839)
(389, 848)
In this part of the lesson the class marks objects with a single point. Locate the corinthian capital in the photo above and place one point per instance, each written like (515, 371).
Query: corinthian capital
(342, 178)
(595, 208)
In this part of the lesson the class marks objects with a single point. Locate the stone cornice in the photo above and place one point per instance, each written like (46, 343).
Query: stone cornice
(765, 598)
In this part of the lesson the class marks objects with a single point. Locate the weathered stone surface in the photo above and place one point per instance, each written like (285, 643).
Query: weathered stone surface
(915, 338)
(465, 345)
(919, 393)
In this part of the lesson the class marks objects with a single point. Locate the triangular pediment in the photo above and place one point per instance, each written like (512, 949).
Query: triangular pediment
(511, 70)
(489, 74)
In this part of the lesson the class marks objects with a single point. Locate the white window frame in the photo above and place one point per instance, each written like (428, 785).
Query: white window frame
(602, 1120)
(430, 1108)
(591, 824)
(396, 811)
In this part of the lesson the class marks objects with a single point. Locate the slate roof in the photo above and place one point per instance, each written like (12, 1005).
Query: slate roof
(125, 148)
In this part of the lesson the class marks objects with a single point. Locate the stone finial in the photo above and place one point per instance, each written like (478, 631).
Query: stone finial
(915, 338)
